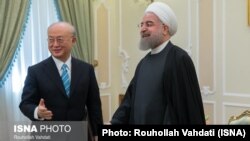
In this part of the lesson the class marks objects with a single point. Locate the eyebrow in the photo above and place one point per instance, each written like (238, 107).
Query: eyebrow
(147, 22)
(55, 36)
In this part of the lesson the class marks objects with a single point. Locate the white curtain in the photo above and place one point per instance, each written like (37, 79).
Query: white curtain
(34, 49)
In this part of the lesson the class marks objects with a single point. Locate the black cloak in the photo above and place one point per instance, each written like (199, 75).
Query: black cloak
(181, 92)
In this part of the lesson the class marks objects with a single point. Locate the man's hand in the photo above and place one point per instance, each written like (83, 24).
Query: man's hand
(107, 123)
(43, 112)
(95, 138)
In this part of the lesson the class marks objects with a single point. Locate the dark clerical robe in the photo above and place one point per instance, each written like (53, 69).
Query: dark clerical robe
(181, 96)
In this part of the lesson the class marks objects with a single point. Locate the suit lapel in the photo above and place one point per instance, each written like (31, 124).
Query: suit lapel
(75, 74)
(52, 72)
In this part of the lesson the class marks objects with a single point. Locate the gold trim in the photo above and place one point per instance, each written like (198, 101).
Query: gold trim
(245, 113)
(95, 63)
(248, 12)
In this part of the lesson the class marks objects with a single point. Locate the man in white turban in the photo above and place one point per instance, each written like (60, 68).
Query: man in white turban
(165, 14)
(165, 88)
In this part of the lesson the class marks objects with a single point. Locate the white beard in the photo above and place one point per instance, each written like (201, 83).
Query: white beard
(151, 42)
(144, 45)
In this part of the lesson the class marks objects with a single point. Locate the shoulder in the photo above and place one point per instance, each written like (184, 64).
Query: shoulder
(42, 63)
(178, 57)
(81, 63)
(178, 53)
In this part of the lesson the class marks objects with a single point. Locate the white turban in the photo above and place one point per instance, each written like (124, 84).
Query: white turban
(165, 14)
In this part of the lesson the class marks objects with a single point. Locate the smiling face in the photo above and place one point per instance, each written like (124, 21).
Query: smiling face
(61, 39)
(153, 32)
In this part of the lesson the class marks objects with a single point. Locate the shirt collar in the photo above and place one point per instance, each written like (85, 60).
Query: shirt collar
(59, 63)
(159, 48)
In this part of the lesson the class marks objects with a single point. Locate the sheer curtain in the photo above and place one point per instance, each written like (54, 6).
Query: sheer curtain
(33, 50)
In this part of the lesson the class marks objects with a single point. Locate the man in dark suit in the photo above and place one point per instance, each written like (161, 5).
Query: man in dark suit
(45, 95)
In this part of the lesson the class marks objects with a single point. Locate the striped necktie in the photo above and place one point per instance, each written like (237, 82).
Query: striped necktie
(65, 79)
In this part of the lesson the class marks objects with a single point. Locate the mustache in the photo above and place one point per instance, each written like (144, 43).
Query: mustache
(145, 35)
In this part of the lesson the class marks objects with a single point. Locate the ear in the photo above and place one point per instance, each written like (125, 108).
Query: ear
(165, 29)
(73, 39)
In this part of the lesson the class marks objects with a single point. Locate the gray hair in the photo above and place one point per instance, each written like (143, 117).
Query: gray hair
(71, 27)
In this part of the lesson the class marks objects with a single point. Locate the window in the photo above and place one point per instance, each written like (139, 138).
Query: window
(33, 50)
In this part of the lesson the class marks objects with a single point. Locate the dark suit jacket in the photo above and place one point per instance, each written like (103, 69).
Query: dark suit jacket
(43, 81)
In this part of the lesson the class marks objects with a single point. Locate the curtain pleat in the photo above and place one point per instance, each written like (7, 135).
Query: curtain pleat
(13, 18)
(79, 14)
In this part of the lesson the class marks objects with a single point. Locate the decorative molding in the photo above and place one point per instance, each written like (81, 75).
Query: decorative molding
(122, 52)
(103, 85)
(143, 2)
(248, 12)
(189, 49)
(109, 104)
(125, 65)
(237, 94)
(206, 91)
(197, 34)
(224, 46)
(214, 45)
(214, 109)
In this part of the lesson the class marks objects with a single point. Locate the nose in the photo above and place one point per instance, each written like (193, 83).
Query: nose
(54, 43)
(143, 28)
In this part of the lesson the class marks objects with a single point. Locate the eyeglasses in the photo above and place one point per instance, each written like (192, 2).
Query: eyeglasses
(59, 40)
